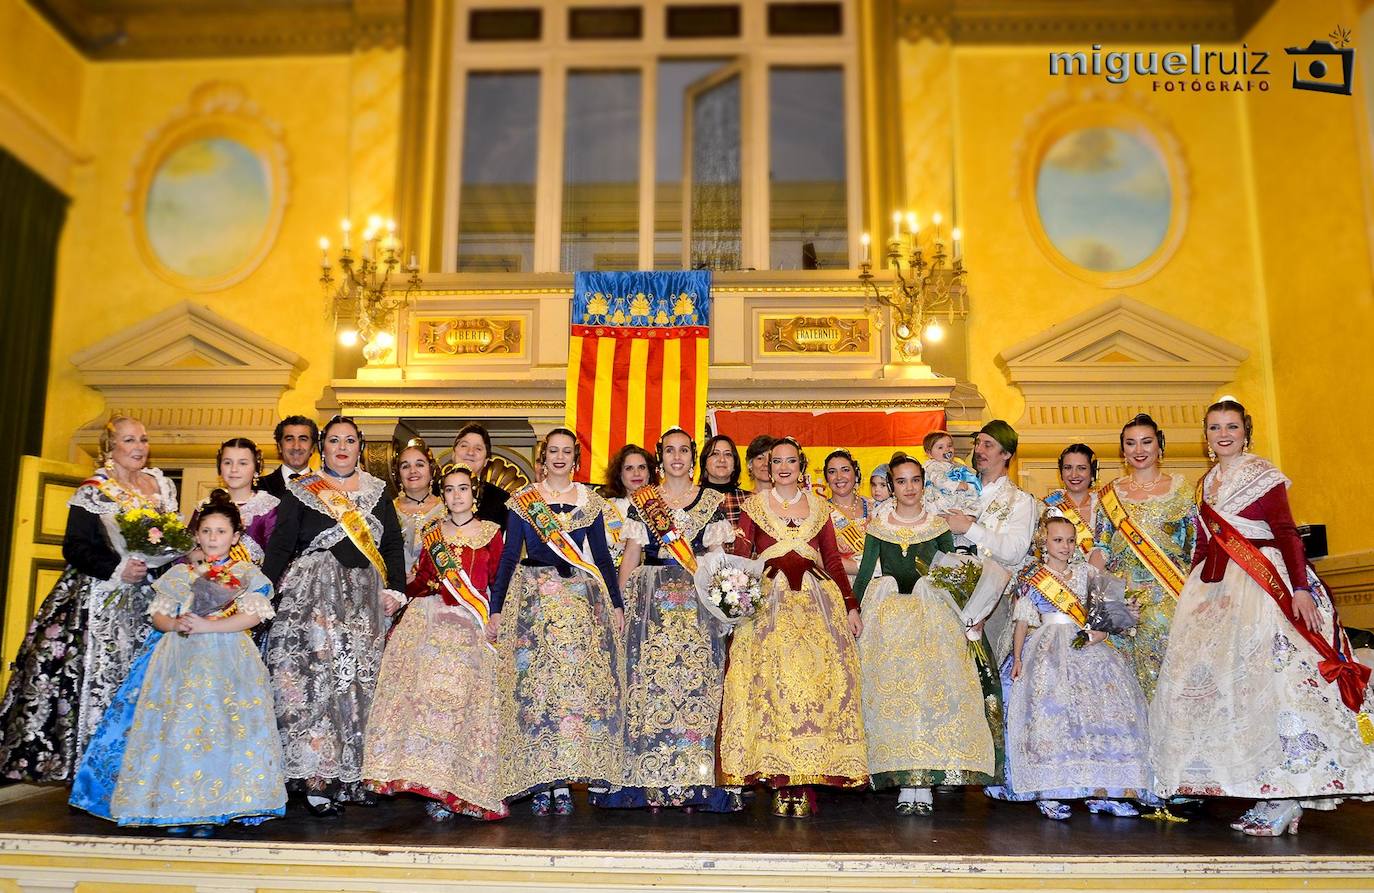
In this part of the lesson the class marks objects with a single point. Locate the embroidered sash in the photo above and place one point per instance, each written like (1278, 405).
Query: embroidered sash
(552, 534)
(659, 518)
(453, 576)
(615, 524)
(1059, 500)
(1146, 549)
(1337, 664)
(848, 531)
(1061, 596)
(338, 506)
(126, 499)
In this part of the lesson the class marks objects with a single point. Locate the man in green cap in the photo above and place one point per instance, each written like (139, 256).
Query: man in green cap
(1003, 529)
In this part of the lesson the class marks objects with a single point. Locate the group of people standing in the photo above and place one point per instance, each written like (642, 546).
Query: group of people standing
(1118, 643)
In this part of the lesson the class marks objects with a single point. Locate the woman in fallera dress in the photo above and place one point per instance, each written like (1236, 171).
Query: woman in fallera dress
(1077, 499)
(792, 714)
(1144, 533)
(433, 729)
(87, 631)
(675, 650)
(849, 511)
(190, 741)
(556, 618)
(337, 559)
(1258, 696)
(924, 712)
(413, 471)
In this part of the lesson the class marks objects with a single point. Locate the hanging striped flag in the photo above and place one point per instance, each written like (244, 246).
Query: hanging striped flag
(637, 360)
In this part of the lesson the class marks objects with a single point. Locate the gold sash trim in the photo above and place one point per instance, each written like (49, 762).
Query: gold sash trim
(1060, 595)
(338, 506)
(1146, 549)
(1061, 502)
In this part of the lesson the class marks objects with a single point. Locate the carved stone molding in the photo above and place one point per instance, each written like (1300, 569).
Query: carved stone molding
(1028, 21)
(193, 377)
(1350, 580)
(1083, 378)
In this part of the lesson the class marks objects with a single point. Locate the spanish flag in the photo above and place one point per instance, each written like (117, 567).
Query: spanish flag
(637, 360)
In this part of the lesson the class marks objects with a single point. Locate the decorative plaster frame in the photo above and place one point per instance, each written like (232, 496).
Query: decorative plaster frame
(215, 109)
(1098, 107)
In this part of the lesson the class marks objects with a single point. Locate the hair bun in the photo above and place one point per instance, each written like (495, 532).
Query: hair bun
(220, 496)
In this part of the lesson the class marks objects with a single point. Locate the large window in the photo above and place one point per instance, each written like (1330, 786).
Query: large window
(652, 135)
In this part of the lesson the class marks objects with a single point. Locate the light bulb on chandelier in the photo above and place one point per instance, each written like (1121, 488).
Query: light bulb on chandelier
(348, 338)
(934, 332)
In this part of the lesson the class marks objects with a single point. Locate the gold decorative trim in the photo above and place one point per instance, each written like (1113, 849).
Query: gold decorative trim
(454, 404)
(445, 337)
(842, 403)
(215, 110)
(788, 335)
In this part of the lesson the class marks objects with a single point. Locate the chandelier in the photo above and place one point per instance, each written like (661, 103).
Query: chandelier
(923, 287)
(366, 291)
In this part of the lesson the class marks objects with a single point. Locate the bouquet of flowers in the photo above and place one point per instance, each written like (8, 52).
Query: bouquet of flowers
(214, 589)
(156, 537)
(974, 584)
(729, 587)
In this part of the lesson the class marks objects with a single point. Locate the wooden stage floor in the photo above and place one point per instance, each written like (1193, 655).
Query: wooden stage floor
(856, 842)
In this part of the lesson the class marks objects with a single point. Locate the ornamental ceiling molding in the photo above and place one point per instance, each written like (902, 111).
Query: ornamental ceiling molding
(1084, 377)
(179, 29)
(1048, 21)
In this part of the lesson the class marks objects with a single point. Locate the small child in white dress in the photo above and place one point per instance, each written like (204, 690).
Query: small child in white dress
(951, 486)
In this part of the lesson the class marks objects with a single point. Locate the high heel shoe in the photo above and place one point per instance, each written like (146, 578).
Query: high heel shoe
(1053, 809)
(329, 809)
(1249, 816)
(1278, 820)
(541, 804)
(804, 802)
(782, 803)
(1119, 808)
(562, 801)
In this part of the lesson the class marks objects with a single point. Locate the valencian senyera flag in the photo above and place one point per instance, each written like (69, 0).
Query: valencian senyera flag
(637, 360)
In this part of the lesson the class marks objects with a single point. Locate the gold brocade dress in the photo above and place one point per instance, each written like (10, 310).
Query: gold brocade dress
(792, 711)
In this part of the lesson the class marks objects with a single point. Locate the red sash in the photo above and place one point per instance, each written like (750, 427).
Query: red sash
(1337, 664)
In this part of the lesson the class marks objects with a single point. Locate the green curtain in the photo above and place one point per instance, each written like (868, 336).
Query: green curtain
(31, 215)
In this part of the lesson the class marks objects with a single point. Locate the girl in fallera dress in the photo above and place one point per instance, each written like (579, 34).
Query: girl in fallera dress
(849, 511)
(1077, 499)
(924, 711)
(556, 618)
(434, 728)
(675, 650)
(190, 740)
(1258, 696)
(412, 471)
(1076, 723)
(87, 631)
(1144, 533)
(240, 463)
(792, 714)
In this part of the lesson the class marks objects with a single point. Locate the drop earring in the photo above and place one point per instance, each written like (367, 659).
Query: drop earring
(1211, 454)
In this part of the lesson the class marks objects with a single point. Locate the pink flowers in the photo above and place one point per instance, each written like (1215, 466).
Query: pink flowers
(155, 535)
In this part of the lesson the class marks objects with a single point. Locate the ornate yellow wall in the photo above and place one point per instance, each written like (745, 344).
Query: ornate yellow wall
(42, 80)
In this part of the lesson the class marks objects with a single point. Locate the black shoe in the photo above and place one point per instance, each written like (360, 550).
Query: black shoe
(368, 799)
(326, 810)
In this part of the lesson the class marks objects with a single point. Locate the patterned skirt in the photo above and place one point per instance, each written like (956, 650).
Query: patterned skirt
(561, 684)
(75, 656)
(675, 669)
(792, 713)
(434, 728)
(925, 714)
(324, 652)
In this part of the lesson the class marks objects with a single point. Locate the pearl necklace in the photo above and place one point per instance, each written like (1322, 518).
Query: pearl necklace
(787, 503)
(554, 495)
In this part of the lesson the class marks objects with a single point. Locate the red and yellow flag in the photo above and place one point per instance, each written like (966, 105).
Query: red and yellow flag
(637, 360)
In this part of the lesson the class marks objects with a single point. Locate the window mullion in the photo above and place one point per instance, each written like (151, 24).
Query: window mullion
(648, 125)
(548, 203)
(754, 163)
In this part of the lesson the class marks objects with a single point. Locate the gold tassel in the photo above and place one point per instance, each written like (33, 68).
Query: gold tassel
(1366, 727)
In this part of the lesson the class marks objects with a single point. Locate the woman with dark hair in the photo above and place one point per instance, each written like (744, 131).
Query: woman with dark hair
(792, 715)
(337, 559)
(87, 631)
(720, 471)
(472, 447)
(849, 511)
(413, 472)
(629, 469)
(1259, 696)
(924, 702)
(1144, 532)
(556, 618)
(1077, 499)
(675, 650)
(756, 461)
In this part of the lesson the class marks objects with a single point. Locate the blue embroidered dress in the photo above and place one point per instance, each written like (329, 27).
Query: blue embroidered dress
(190, 738)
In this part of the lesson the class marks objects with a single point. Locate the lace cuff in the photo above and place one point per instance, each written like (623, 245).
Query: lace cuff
(164, 604)
(1025, 609)
(718, 533)
(255, 604)
(399, 596)
(634, 532)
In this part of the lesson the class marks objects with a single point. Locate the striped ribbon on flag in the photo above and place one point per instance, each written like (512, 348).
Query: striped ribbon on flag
(637, 360)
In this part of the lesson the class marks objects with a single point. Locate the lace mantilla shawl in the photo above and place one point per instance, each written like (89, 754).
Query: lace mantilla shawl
(485, 531)
(1248, 481)
(90, 497)
(369, 493)
(587, 509)
(757, 507)
(690, 521)
(891, 530)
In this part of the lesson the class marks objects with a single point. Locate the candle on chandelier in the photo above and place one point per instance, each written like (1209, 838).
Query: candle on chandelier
(346, 225)
(896, 226)
(957, 236)
(863, 248)
(324, 252)
(936, 219)
(414, 263)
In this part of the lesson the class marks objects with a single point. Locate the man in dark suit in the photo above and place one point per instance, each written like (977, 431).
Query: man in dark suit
(472, 447)
(296, 437)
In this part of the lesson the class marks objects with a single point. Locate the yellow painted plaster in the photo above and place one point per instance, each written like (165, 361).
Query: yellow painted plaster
(42, 80)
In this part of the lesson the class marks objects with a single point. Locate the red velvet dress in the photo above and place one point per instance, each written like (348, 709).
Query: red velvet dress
(792, 712)
(434, 728)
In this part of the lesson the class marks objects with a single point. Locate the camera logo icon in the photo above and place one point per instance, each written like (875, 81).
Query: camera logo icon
(1314, 67)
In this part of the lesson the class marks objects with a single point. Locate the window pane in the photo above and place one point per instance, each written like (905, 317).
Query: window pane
(606, 23)
(805, 18)
(500, 146)
(675, 79)
(505, 24)
(806, 168)
(714, 209)
(703, 20)
(601, 172)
